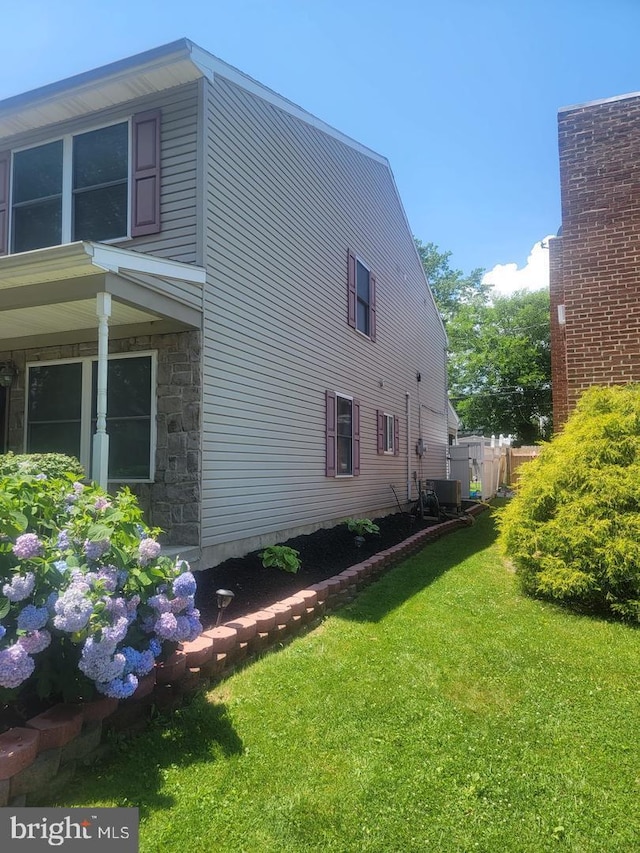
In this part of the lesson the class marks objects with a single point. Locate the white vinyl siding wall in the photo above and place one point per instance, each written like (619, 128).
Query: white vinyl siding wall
(285, 201)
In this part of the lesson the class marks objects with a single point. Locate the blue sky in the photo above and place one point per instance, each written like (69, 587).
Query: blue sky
(460, 95)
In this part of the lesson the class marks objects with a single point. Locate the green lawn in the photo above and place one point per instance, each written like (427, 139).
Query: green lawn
(441, 711)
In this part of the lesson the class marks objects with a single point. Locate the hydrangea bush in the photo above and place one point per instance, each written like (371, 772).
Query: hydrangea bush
(87, 602)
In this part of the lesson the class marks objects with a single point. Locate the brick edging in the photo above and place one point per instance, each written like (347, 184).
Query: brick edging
(39, 759)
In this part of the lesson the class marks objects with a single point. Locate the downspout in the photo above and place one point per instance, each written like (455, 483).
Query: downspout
(408, 417)
(100, 466)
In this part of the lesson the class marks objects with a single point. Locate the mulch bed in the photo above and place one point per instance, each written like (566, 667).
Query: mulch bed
(323, 554)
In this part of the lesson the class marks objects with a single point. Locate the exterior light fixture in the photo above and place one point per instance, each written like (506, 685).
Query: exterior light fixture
(224, 598)
(8, 372)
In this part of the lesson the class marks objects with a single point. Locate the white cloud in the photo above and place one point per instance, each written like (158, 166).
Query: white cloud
(507, 278)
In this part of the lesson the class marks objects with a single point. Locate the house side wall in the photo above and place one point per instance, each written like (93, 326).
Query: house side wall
(284, 203)
(173, 500)
(179, 165)
(600, 185)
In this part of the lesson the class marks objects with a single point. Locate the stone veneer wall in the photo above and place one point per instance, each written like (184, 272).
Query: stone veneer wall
(172, 501)
(39, 759)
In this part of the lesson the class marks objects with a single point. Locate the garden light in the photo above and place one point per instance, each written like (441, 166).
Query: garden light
(224, 597)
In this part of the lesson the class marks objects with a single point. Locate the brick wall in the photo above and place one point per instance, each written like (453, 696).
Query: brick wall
(597, 267)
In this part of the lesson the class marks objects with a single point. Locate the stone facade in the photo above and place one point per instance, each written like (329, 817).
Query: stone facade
(172, 501)
(595, 263)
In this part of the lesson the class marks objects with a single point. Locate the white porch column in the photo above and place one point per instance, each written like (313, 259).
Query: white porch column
(100, 465)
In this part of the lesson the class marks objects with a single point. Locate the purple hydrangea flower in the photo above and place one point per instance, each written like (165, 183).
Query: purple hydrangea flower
(63, 542)
(160, 602)
(36, 641)
(155, 647)
(73, 609)
(28, 546)
(21, 587)
(95, 550)
(177, 605)
(139, 663)
(41, 476)
(31, 618)
(166, 627)
(148, 550)
(15, 666)
(3, 631)
(99, 662)
(101, 503)
(184, 585)
(117, 632)
(119, 688)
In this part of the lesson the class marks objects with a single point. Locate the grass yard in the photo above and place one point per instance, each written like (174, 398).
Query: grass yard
(441, 711)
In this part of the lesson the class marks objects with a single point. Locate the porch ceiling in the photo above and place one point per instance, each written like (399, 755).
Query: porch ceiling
(50, 293)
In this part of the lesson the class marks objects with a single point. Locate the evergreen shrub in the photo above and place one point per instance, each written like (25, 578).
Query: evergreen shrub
(573, 529)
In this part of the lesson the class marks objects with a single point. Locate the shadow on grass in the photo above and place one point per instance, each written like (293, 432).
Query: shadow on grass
(415, 573)
(133, 773)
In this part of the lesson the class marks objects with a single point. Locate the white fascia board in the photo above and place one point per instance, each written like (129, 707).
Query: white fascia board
(210, 66)
(112, 259)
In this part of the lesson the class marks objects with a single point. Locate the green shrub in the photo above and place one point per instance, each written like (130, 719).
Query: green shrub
(281, 557)
(573, 529)
(50, 464)
(360, 526)
(87, 601)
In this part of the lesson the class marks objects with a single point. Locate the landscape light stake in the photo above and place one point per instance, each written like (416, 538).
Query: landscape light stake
(224, 597)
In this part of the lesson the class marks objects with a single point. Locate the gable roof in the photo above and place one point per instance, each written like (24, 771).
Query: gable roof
(155, 70)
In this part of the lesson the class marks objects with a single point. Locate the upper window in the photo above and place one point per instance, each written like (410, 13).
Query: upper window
(101, 185)
(342, 435)
(361, 297)
(61, 412)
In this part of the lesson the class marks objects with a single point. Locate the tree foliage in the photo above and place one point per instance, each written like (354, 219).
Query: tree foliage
(451, 288)
(499, 351)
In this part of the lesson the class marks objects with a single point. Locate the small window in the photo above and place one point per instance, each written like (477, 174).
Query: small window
(100, 183)
(388, 433)
(361, 297)
(342, 435)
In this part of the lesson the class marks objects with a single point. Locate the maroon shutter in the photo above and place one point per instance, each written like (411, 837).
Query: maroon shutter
(372, 306)
(380, 420)
(330, 462)
(351, 296)
(396, 435)
(145, 174)
(5, 166)
(356, 438)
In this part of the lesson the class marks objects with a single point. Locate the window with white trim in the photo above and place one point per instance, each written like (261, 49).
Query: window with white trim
(100, 185)
(388, 429)
(61, 412)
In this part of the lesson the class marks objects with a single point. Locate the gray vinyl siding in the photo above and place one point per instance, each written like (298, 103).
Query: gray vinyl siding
(284, 202)
(179, 132)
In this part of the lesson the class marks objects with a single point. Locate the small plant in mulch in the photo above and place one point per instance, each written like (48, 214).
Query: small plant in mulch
(362, 526)
(281, 557)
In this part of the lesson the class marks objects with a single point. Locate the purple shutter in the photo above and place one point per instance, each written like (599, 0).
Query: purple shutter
(372, 306)
(145, 174)
(351, 280)
(380, 429)
(330, 463)
(356, 437)
(396, 435)
(5, 166)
